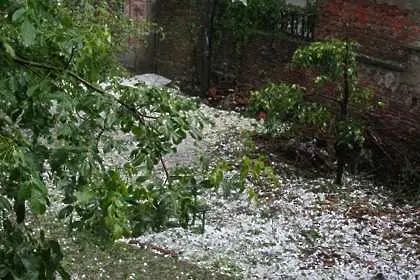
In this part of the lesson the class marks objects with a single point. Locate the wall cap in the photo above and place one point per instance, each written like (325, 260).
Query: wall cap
(414, 47)
(388, 64)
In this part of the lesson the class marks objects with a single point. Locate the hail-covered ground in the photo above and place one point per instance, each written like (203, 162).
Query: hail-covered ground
(300, 229)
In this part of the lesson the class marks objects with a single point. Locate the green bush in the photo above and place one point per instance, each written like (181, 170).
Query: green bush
(332, 112)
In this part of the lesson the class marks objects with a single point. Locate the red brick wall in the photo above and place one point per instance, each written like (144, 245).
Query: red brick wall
(136, 9)
(383, 30)
(175, 52)
(139, 58)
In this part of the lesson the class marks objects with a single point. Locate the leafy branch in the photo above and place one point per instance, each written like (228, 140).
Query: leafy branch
(140, 117)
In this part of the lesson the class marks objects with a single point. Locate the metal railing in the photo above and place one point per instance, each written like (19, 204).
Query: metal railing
(296, 24)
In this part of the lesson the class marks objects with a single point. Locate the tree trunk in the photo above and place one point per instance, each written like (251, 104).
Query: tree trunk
(341, 150)
(205, 47)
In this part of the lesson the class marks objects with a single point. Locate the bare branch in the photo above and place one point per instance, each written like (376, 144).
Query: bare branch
(73, 50)
(165, 169)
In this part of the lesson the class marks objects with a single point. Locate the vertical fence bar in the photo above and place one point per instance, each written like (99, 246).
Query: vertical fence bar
(296, 24)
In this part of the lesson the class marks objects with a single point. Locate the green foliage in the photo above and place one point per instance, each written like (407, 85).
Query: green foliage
(61, 108)
(157, 206)
(244, 20)
(24, 256)
(336, 99)
(286, 109)
(350, 135)
(328, 58)
(336, 63)
(331, 60)
(57, 122)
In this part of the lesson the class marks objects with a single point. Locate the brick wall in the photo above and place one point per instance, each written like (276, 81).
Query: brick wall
(384, 31)
(136, 9)
(389, 61)
(175, 52)
(140, 55)
(388, 32)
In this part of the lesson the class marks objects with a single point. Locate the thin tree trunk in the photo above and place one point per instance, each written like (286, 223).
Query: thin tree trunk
(210, 40)
(205, 46)
(340, 149)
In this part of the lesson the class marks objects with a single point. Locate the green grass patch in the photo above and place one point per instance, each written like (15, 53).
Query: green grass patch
(122, 261)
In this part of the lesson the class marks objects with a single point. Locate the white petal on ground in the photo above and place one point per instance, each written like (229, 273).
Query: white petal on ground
(299, 232)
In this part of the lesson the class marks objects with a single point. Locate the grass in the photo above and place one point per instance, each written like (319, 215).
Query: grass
(86, 258)
(122, 261)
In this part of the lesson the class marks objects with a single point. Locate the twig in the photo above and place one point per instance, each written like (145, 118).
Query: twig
(98, 139)
(165, 169)
(71, 57)
(153, 247)
(131, 108)
(376, 142)
(139, 116)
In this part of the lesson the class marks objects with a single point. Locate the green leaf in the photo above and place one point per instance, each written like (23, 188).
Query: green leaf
(32, 265)
(217, 177)
(84, 197)
(117, 231)
(39, 185)
(28, 33)
(18, 14)
(66, 21)
(142, 179)
(63, 273)
(24, 191)
(57, 255)
(20, 211)
(149, 163)
(251, 194)
(38, 204)
(9, 50)
(4, 271)
(30, 91)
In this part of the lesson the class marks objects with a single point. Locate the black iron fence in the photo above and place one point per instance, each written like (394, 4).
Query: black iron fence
(296, 24)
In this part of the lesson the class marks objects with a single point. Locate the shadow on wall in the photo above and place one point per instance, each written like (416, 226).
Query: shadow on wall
(140, 56)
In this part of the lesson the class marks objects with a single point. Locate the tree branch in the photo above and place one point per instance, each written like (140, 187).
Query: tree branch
(139, 116)
(165, 169)
(73, 50)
